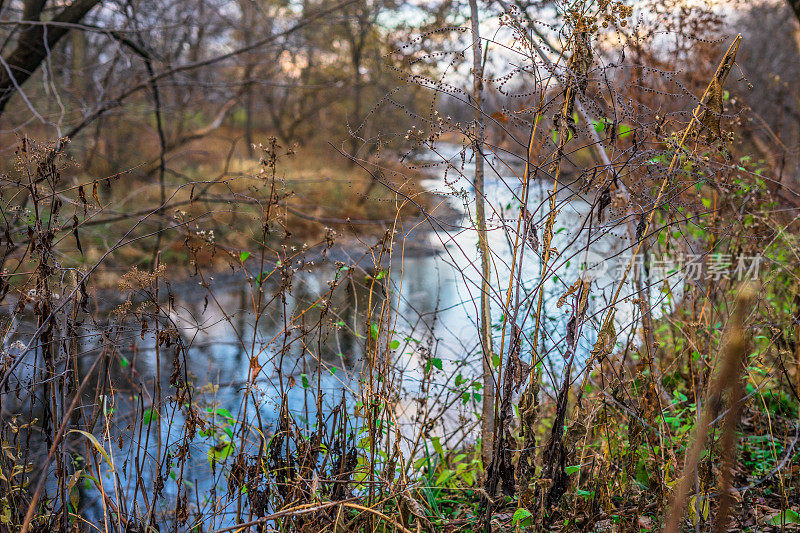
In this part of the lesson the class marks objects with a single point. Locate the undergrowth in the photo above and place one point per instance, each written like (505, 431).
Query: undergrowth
(140, 393)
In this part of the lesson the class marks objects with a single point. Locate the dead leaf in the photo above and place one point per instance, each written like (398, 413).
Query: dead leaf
(97, 445)
(500, 117)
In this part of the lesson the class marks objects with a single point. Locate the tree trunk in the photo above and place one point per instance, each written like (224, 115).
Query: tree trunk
(248, 19)
(248, 117)
(34, 42)
(487, 409)
(354, 140)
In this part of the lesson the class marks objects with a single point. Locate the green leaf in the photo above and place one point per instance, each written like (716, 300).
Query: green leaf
(221, 411)
(706, 203)
(624, 130)
(443, 476)
(394, 345)
(786, 517)
(381, 274)
(521, 516)
(123, 361)
(219, 453)
(573, 469)
(437, 362)
(149, 415)
(304, 377)
(243, 256)
(373, 330)
(437, 445)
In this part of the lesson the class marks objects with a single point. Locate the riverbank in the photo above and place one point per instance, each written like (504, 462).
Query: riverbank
(209, 209)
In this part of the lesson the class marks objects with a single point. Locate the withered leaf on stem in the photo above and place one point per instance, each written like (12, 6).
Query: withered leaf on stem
(75, 233)
(96, 196)
(82, 196)
(714, 106)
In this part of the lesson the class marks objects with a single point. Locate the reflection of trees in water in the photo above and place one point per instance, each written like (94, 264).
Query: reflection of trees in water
(222, 330)
(419, 304)
(332, 329)
(220, 333)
